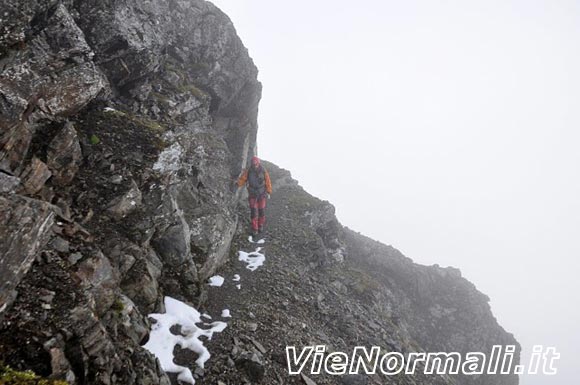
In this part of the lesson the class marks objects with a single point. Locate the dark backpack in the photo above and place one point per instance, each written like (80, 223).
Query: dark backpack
(256, 181)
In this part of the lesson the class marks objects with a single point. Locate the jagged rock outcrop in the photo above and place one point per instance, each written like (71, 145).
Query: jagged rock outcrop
(123, 126)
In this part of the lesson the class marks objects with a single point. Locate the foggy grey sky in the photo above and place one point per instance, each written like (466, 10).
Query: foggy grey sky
(449, 129)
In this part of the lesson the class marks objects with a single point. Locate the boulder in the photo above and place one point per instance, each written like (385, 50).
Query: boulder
(14, 142)
(100, 280)
(25, 228)
(8, 183)
(34, 176)
(141, 284)
(64, 155)
(125, 204)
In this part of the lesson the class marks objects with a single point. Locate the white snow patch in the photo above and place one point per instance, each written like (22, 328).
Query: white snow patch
(236, 277)
(254, 259)
(205, 315)
(216, 280)
(169, 159)
(259, 241)
(226, 313)
(109, 109)
(239, 286)
(162, 342)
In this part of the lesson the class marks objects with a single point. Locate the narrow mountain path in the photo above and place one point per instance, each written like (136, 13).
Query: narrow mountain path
(293, 299)
(299, 296)
(258, 301)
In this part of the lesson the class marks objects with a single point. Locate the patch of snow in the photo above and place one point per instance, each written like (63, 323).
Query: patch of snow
(109, 109)
(254, 259)
(162, 342)
(226, 313)
(259, 241)
(239, 286)
(216, 280)
(205, 315)
(236, 277)
(169, 158)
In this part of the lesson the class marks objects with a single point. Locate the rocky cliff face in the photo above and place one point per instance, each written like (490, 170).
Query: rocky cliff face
(123, 125)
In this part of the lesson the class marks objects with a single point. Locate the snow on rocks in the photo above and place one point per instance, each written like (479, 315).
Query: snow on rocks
(259, 241)
(226, 313)
(236, 277)
(254, 259)
(216, 280)
(162, 342)
(239, 286)
(169, 159)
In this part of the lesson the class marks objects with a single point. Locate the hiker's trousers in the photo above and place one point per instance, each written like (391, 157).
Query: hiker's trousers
(258, 211)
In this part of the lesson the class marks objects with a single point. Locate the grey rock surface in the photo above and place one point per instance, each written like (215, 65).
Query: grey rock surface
(8, 183)
(64, 155)
(24, 229)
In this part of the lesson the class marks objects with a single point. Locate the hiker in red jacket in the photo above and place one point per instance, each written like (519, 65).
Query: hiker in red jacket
(259, 188)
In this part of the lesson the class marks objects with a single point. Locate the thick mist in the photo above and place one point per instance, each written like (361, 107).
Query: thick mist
(447, 129)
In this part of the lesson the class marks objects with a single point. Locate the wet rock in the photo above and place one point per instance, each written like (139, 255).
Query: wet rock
(122, 206)
(74, 258)
(25, 227)
(14, 143)
(147, 369)
(34, 176)
(17, 17)
(60, 366)
(8, 183)
(173, 245)
(64, 155)
(60, 245)
(258, 345)
(252, 365)
(129, 320)
(53, 74)
(73, 89)
(141, 284)
(199, 372)
(65, 38)
(98, 350)
(100, 280)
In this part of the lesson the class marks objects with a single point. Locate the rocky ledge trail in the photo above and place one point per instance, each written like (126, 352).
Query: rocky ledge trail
(320, 284)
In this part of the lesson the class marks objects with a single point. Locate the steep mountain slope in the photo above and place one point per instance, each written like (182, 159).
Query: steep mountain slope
(322, 284)
(124, 125)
